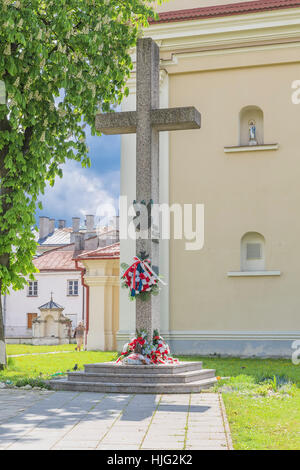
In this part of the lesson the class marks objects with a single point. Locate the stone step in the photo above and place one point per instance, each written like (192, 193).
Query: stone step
(137, 377)
(107, 387)
(112, 367)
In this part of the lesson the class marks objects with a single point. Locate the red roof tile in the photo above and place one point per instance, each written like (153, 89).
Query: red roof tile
(56, 260)
(107, 252)
(225, 10)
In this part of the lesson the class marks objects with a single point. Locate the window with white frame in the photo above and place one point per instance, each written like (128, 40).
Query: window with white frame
(253, 252)
(33, 288)
(73, 287)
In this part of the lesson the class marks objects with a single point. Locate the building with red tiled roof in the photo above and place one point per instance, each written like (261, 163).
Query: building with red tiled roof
(58, 274)
(227, 9)
(107, 252)
(61, 273)
(56, 260)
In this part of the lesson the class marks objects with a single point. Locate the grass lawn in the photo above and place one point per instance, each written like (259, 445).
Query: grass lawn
(259, 422)
(12, 349)
(32, 369)
(263, 411)
(260, 369)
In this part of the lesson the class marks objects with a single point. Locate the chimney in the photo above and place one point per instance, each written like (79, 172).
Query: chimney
(75, 224)
(51, 225)
(61, 223)
(90, 222)
(44, 227)
(78, 241)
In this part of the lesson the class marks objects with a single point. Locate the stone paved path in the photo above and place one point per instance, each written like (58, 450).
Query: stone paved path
(72, 420)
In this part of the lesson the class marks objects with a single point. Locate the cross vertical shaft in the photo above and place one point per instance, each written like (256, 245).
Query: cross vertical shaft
(147, 121)
(147, 168)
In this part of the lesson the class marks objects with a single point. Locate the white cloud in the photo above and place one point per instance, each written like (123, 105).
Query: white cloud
(79, 192)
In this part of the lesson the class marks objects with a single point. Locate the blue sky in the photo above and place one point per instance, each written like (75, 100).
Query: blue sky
(81, 190)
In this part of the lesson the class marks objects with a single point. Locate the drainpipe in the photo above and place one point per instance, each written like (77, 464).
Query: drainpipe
(4, 312)
(83, 303)
(82, 270)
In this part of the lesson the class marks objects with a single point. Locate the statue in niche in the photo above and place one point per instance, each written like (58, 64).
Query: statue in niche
(252, 132)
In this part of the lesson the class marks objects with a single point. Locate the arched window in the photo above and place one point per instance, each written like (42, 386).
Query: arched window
(253, 252)
(251, 126)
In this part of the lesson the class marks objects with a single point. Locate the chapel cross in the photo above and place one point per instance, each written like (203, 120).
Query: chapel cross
(147, 121)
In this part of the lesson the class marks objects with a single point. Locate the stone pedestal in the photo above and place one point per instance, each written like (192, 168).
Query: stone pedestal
(186, 377)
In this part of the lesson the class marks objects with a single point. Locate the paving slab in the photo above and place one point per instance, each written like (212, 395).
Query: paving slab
(62, 420)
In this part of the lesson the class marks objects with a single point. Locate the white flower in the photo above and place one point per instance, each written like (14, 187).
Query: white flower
(7, 49)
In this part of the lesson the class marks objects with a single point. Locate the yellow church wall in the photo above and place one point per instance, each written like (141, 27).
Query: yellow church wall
(242, 192)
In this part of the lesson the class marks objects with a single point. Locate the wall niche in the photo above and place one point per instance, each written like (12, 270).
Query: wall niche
(251, 126)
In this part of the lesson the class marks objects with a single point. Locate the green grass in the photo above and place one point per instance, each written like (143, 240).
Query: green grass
(12, 349)
(260, 369)
(262, 416)
(263, 412)
(262, 401)
(34, 370)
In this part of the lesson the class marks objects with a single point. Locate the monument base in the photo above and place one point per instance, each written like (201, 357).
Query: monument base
(109, 377)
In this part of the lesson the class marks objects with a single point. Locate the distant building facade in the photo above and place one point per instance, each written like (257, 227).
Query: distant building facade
(58, 274)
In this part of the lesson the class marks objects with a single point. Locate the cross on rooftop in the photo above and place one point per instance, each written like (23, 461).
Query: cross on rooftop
(147, 121)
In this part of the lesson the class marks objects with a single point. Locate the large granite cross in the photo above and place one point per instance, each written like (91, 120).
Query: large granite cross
(147, 121)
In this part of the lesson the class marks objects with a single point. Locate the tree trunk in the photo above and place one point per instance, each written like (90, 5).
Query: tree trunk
(2, 338)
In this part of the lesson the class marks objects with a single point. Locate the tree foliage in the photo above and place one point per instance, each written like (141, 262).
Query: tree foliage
(61, 62)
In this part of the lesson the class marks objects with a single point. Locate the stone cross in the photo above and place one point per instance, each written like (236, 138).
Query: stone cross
(147, 121)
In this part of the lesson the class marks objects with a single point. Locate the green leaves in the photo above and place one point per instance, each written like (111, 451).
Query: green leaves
(72, 51)
(11, 66)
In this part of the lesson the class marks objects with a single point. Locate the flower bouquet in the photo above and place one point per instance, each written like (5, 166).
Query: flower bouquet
(140, 279)
(139, 351)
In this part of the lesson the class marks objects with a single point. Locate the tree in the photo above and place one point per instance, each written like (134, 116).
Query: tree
(61, 62)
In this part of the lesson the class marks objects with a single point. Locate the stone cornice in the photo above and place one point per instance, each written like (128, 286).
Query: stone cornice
(233, 30)
(221, 335)
(270, 30)
(131, 83)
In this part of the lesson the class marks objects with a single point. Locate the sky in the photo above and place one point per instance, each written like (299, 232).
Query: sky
(82, 190)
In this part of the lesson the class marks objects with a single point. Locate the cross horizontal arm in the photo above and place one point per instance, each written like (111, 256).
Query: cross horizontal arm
(175, 119)
(116, 123)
